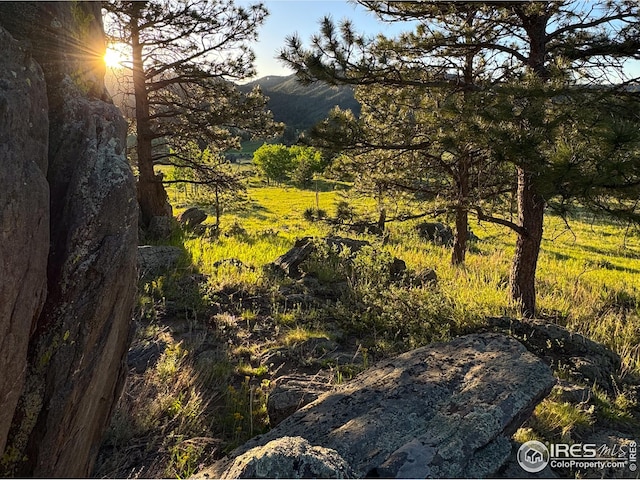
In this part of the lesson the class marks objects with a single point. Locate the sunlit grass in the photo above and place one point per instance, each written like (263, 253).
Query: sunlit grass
(587, 277)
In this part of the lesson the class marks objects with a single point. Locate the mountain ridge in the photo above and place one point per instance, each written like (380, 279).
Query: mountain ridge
(301, 106)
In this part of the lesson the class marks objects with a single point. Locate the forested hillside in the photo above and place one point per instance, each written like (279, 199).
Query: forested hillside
(299, 106)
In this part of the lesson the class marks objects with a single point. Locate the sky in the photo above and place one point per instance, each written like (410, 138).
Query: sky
(287, 17)
(303, 16)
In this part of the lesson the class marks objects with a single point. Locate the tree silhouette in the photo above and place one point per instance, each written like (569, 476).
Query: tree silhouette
(183, 58)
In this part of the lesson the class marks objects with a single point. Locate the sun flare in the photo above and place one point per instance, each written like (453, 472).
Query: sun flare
(113, 58)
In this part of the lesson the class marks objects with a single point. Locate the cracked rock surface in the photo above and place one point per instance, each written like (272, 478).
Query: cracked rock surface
(444, 410)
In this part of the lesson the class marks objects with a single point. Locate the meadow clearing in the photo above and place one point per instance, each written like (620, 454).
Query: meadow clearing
(219, 337)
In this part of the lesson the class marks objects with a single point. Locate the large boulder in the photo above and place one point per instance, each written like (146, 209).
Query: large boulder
(445, 410)
(192, 217)
(293, 455)
(75, 363)
(24, 214)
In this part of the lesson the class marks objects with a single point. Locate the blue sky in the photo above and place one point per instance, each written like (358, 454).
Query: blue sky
(302, 16)
(290, 16)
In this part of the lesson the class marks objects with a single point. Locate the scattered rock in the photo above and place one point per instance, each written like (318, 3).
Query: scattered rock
(192, 217)
(230, 262)
(445, 410)
(436, 232)
(309, 282)
(299, 299)
(160, 228)
(292, 392)
(365, 227)
(568, 392)
(157, 259)
(427, 276)
(587, 361)
(397, 268)
(290, 262)
(352, 244)
(293, 455)
(144, 356)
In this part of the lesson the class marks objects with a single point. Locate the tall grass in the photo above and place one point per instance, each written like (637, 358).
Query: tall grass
(587, 278)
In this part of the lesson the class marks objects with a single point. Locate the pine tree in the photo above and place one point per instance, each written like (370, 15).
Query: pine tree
(534, 57)
(183, 58)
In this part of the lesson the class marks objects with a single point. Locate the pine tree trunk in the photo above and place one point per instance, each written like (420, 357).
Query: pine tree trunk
(462, 217)
(152, 196)
(461, 236)
(523, 270)
(530, 204)
(217, 207)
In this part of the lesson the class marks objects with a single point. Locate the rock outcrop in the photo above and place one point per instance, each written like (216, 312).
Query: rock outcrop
(587, 361)
(293, 455)
(78, 234)
(445, 410)
(24, 214)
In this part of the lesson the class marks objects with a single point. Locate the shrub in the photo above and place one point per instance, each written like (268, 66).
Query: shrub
(312, 214)
(344, 212)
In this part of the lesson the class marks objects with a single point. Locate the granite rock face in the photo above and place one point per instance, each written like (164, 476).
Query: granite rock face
(24, 214)
(445, 410)
(78, 335)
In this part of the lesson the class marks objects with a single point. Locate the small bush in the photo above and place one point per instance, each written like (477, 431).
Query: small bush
(344, 212)
(314, 214)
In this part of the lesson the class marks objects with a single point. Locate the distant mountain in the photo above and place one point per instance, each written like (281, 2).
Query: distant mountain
(299, 106)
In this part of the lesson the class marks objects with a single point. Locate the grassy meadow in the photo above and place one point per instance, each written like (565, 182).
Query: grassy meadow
(207, 392)
(588, 276)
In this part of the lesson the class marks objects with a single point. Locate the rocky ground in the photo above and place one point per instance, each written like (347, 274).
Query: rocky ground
(408, 415)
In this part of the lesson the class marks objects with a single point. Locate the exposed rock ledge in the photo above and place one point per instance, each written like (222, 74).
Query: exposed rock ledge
(445, 410)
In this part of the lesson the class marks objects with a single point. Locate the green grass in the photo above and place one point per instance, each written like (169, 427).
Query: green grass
(587, 281)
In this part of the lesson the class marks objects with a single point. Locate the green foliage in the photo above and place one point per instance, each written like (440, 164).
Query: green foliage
(561, 421)
(314, 214)
(275, 162)
(279, 163)
(245, 413)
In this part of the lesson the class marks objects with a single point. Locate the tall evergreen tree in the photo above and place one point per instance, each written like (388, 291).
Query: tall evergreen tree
(183, 57)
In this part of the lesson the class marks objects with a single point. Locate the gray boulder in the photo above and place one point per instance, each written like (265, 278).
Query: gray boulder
(436, 232)
(192, 217)
(293, 455)
(445, 410)
(155, 260)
